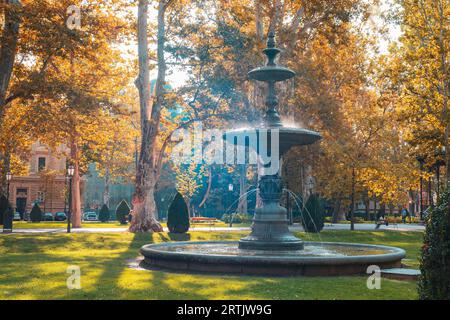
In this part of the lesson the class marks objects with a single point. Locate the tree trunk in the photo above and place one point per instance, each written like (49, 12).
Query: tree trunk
(444, 21)
(258, 21)
(76, 194)
(106, 193)
(367, 206)
(336, 211)
(208, 189)
(242, 206)
(144, 206)
(8, 49)
(276, 16)
(352, 216)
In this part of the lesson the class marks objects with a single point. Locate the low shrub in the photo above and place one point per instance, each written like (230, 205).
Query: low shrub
(434, 282)
(104, 214)
(36, 213)
(3, 207)
(237, 218)
(313, 216)
(122, 212)
(178, 215)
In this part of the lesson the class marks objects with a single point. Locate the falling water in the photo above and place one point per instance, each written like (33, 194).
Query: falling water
(302, 209)
(239, 199)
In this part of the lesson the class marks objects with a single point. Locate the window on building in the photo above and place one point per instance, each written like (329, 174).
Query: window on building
(40, 196)
(21, 191)
(41, 163)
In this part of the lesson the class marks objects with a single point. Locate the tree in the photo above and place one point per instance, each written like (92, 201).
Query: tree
(35, 31)
(178, 215)
(313, 215)
(47, 186)
(189, 180)
(104, 214)
(144, 206)
(36, 213)
(65, 76)
(419, 71)
(122, 212)
(434, 282)
(112, 156)
(8, 49)
(3, 207)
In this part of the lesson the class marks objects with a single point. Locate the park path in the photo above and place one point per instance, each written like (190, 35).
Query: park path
(358, 227)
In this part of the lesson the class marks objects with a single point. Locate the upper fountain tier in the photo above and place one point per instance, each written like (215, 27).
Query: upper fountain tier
(271, 72)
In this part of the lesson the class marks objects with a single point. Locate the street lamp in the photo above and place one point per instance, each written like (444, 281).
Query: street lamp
(440, 162)
(70, 172)
(8, 181)
(230, 189)
(421, 160)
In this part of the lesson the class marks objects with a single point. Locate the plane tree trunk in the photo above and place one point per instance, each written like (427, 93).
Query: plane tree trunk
(106, 191)
(76, 192)
(8, 50)
(144, 205)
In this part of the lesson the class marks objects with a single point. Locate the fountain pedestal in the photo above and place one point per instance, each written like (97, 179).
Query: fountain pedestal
(270, 229)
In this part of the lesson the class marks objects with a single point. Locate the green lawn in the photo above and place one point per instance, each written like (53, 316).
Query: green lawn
(34, 267)
(115, 224)
(62, 224)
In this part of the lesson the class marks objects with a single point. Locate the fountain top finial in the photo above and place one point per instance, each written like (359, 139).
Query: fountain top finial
(271, 39)
(271, 72)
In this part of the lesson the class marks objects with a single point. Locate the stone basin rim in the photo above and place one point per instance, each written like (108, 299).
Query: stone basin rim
(151, 251)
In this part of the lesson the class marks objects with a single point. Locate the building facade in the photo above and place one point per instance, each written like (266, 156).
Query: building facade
(45, 183)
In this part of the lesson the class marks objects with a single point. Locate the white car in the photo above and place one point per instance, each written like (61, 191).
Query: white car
(17, 216)
(90, 216)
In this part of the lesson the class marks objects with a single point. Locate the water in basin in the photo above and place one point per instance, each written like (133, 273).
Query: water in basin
(310, 250)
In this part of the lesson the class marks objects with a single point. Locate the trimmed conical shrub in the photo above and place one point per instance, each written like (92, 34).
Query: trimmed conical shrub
(434, 282)
(36, 213)
(104, 214)
(8, 217)
(122, 212)
(3, 206)
(313, 215)
(178, 215)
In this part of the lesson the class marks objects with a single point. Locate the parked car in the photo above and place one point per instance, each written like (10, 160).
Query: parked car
(60, 216)
(17, 216)
(47, 217)
(90, 216)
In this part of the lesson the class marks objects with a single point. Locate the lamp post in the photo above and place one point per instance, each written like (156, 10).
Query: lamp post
(440, 162)
(66, 179)
(8, 181)
(70, 172)
(421, 160)
(230, 189)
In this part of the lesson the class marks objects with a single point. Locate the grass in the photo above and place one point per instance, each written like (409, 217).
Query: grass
(34, 267)
(62, 224)
(112, 224)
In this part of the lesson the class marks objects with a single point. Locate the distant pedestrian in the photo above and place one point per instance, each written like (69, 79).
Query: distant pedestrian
(405, 214)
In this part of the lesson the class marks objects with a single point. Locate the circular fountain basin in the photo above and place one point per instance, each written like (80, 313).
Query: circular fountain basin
(317, 259)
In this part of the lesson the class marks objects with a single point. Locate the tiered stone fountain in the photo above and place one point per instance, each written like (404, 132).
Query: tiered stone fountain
(271, 248)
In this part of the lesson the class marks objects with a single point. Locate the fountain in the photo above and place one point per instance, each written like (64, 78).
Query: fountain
(271, 248)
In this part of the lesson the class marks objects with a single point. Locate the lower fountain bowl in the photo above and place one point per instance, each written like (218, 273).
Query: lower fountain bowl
(316, 259)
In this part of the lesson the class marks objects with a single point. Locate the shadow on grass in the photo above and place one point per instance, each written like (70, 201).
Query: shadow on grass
(179, 236)
(158, 287)
(29, 243)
